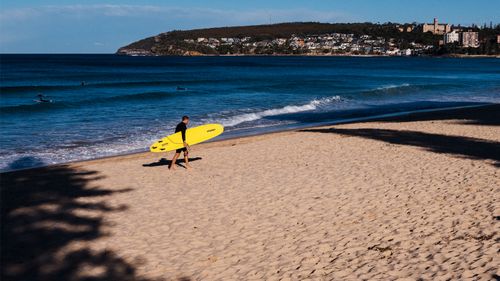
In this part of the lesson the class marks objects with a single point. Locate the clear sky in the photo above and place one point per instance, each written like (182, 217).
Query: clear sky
(93, 26)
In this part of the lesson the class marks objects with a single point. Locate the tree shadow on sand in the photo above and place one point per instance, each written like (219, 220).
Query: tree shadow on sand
(472, 148)
(462, 146)
(45, 210)
(488, 115)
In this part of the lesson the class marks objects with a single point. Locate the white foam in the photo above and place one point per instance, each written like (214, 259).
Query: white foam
(141, 141)
(392, 86)
(248, 117)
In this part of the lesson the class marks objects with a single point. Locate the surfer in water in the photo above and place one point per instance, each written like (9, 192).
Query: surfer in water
(41, 98)
(181, 127)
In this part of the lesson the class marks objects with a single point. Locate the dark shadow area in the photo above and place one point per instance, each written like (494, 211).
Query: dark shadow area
(26, 162)
(485, 115)
(43, 211)
(462, 146)
(166, 162)
(396, 112)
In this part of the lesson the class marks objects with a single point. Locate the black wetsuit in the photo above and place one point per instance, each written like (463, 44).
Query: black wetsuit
(181, 127)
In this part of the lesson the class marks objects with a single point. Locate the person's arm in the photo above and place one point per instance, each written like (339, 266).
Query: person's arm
(183, 132)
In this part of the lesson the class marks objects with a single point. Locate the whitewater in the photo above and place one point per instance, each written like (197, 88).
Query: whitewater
(106, 105)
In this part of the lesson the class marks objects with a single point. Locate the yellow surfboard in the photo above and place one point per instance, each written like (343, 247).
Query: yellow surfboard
(193, 136)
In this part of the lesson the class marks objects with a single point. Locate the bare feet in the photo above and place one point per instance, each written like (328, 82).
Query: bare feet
(188, 166)
(171, 167)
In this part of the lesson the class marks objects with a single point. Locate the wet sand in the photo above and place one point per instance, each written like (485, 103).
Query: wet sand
(409, 198)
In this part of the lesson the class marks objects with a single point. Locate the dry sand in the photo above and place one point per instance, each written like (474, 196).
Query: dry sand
(409, 200)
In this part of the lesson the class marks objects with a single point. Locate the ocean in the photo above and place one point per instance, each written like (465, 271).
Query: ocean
(104, 105)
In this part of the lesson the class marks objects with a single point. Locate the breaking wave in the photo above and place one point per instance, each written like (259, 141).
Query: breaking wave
(248, 117)
(391, 87)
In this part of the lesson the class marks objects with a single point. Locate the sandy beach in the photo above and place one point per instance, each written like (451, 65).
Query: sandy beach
(407, 198)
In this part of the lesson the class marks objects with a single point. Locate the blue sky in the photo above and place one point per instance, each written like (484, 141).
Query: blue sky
(92, 26)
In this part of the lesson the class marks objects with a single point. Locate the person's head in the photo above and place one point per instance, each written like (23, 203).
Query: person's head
(185, 119)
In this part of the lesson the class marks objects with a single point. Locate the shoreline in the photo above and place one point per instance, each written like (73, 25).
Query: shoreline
(455, 56)
(381, 117)
(458, 56)
(399, 198)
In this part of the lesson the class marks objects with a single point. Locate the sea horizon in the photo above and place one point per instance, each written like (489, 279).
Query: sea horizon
(454, 56)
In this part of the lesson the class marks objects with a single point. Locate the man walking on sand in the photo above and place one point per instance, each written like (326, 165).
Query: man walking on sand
(181, 127)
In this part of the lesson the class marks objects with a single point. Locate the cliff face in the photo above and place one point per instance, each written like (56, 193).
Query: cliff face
(145, 47)
(163, 45)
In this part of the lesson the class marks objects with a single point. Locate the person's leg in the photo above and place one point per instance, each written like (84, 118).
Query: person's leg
(172, 164)
(186, 159)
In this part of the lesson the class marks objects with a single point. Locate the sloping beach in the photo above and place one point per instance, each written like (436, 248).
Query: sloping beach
(412, 197)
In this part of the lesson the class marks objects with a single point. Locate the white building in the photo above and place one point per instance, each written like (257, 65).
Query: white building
(452, 37)
(470, 39)
(279, 41)
(393, 52)
(406, 52)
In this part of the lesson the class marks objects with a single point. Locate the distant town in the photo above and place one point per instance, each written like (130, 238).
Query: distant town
(314, 39)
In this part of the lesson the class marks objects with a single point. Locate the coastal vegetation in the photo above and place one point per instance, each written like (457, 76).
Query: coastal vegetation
(313, 38)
